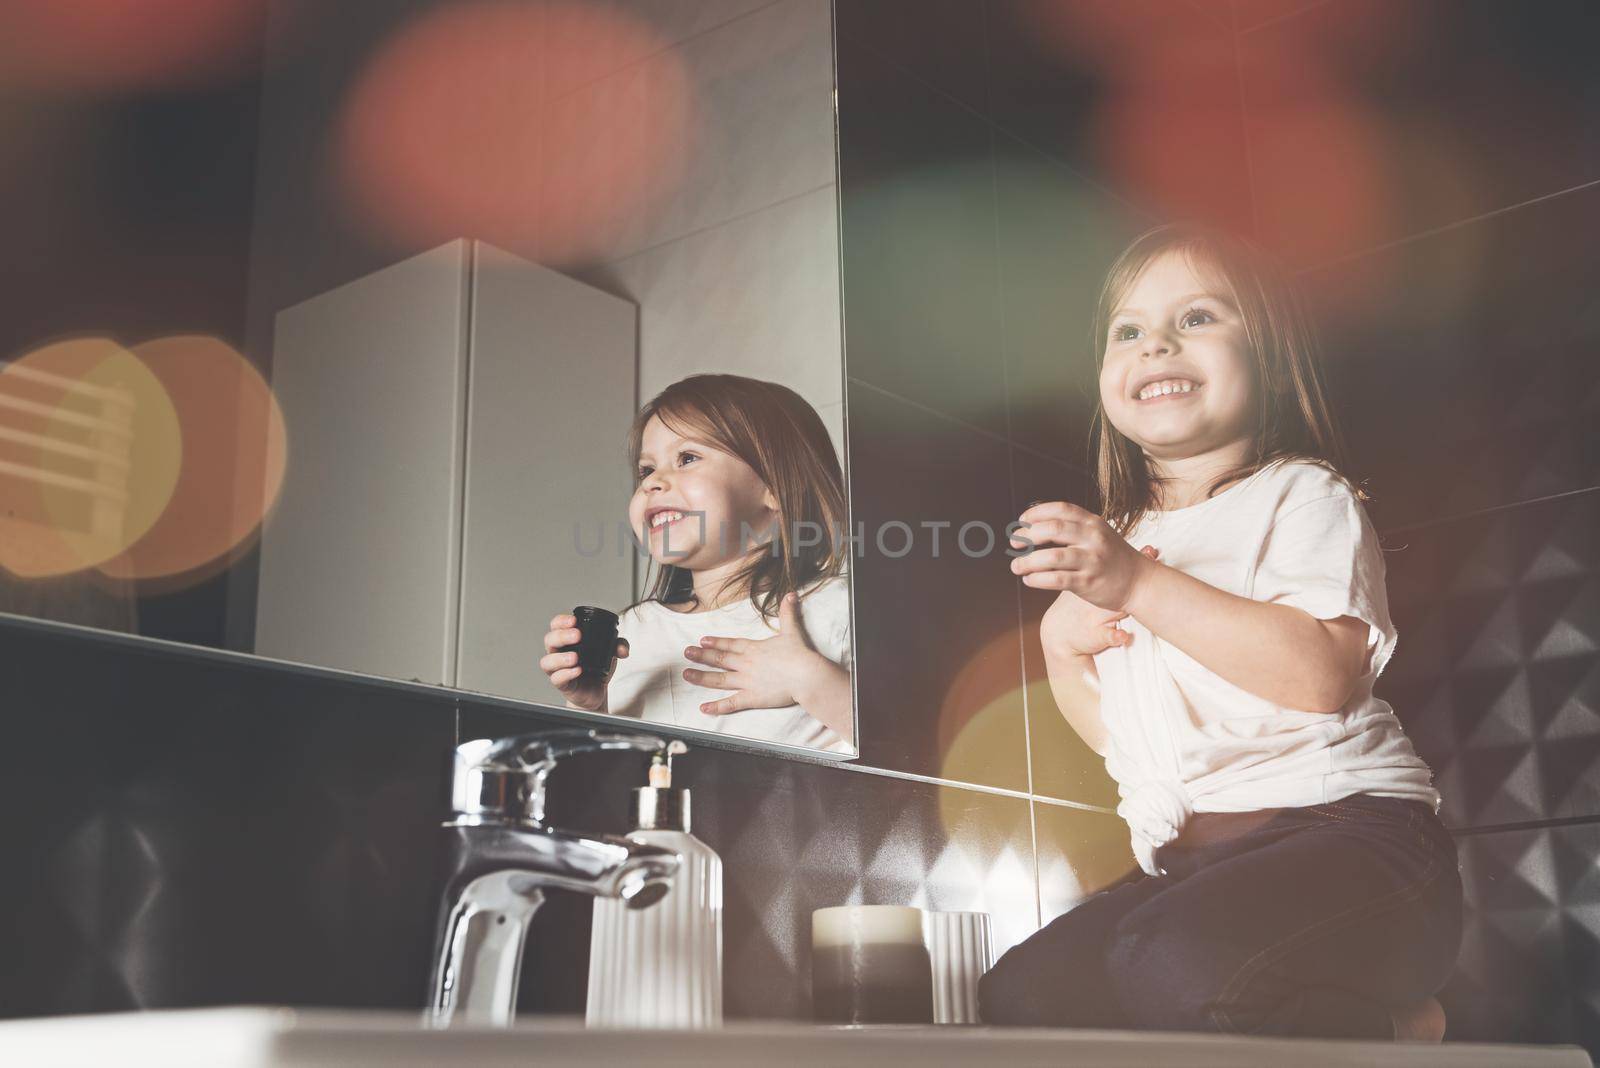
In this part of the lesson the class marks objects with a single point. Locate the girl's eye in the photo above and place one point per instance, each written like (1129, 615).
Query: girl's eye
(1126, 331)
(645, 469)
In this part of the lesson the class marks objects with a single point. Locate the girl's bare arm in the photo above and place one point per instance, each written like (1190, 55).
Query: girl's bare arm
(1075, 684)
(1278, 652)
(828, 698)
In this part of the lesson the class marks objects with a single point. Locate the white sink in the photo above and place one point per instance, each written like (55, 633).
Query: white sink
(268, 1037)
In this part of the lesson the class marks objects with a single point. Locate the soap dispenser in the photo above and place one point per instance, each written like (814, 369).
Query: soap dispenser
(661, 967)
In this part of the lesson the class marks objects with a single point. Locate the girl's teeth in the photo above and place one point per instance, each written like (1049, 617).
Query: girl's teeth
(1150, 392)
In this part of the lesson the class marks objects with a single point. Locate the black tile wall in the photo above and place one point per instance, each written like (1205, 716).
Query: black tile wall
(1138, 97)
(1458, 107)
(1531, 948)
(1056, 232)
(918, 220)
(1498, 682)
(189, 833)
(937, 636)
(1474, 385)
(940, 42)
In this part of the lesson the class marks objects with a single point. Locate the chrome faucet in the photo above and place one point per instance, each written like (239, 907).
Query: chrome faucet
(501, 858)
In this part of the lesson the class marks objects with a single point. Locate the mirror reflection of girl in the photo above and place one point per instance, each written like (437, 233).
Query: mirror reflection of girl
(739, 498)
(1295, 877)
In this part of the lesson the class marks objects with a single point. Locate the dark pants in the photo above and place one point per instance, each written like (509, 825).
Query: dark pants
(1298, 921)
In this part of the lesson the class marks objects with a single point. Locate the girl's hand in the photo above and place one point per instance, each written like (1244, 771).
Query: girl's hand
(1076, 550)
(1076, 626)
(767, 672)
(563, 669)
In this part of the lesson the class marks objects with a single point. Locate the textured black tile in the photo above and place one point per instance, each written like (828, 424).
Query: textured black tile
(1139, 96)
(938, 655)
(1496, 675)
(190, 833)
(1529, 969)
(1461, 364)
(1080, 853)
(793, 837)
(1063, 766)
(938, 41)
(921, 297)
(1426, 113)
(1058, 236)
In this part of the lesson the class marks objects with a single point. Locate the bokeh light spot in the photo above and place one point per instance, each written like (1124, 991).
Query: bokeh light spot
(548, 129)
(235, 448)
(980, 719)
(90, 449)
(118, 44)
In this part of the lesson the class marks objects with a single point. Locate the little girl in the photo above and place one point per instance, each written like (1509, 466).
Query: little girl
(1295, 878)
(740, 500)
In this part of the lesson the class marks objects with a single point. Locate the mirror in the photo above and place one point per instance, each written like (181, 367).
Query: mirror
(469, 241)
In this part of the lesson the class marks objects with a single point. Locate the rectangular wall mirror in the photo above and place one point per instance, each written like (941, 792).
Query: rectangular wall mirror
(472, 242)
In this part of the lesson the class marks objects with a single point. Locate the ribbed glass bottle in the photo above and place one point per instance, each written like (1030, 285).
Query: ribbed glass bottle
(661, 966)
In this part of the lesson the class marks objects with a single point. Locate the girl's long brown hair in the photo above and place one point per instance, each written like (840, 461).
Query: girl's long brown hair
(774, 430)
(1294, 419)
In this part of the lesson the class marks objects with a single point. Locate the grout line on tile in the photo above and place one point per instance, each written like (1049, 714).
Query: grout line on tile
(730, 220)
(1423, 235)
(1041, 454)
(1081, 806)
(932, 780)
(1207, 10)
(1426, 524)
(1011, 475)
(1027, 726)
(674, 46)
(920, 406)
(1281, 16)
(1525, 825)
(341, 677)
(958, 421)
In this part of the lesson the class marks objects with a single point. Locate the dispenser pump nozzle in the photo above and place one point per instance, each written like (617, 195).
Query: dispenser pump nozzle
(660, 772)
(659, 806)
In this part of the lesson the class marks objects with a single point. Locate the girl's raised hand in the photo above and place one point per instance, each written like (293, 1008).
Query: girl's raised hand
(1075, 626)
(767, 672)
(1074, 549)
(563, 669)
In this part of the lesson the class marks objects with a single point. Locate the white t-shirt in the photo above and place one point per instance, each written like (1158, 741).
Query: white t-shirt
(1181, 739)
(649, 684)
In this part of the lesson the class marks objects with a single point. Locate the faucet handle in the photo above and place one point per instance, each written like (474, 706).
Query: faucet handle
(502, 780)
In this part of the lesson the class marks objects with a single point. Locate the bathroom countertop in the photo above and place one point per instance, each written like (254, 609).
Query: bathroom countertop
(276, 1037)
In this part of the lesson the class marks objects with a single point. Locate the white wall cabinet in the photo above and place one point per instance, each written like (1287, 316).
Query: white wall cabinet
(451, 420)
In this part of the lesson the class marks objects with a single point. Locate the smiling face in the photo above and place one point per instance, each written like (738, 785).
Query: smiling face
(1172, 325)
(686, 473)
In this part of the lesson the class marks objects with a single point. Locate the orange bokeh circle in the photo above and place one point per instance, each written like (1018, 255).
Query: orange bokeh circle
(90, 448)
(235, 448)
(115, 44)
(545, 128)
